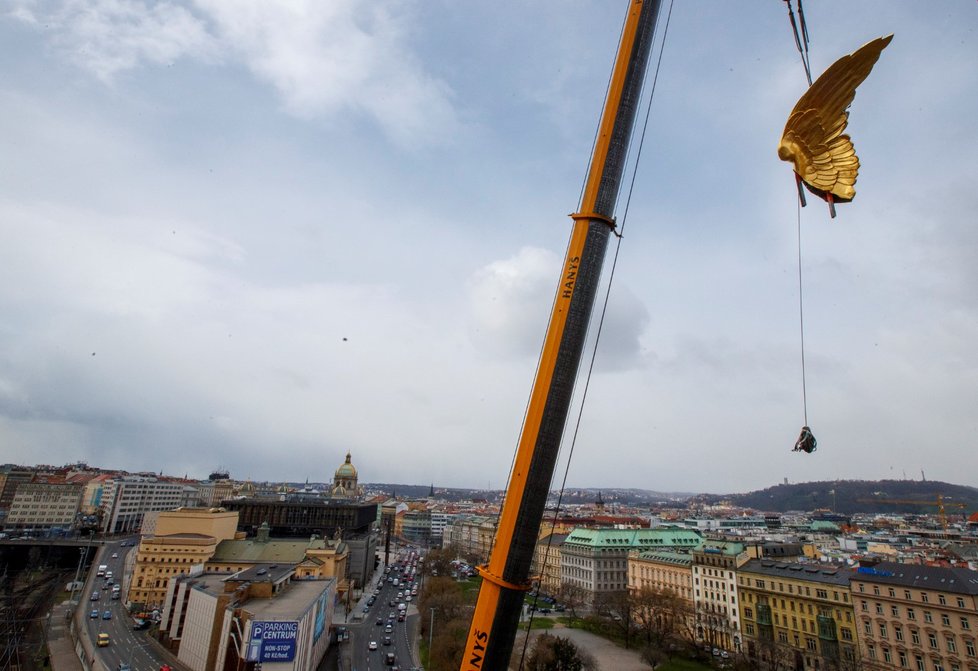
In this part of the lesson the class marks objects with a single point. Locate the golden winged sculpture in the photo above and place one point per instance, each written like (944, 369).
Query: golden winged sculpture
(814, 139)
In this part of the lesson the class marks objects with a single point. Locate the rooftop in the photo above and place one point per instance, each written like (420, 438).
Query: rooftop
(830, 574)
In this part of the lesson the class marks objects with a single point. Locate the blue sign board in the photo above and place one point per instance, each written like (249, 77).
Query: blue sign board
(273, 641)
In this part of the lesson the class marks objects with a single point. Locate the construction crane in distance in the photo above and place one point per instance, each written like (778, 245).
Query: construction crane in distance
(939, 503)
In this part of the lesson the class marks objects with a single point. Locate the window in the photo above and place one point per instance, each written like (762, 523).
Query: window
(748, 613)
(965, 624)
(898, 632)
(879, 608)
(782, 637)
(821, 594)
(906, 594)
(891, 592)
(749, 629)
(904, 664)
(864, 605)
(876, 590)
(868, 628)
(969, 647)
(928, 617)
(846, 633)
(923, 597)
(894, 611)
(960, 602)
(911, 615)
(949, 642)
(882, 630)
(886, 655)
(945, 619)
(932, 640)
(915, 637)
(941, 600)
(810, 644)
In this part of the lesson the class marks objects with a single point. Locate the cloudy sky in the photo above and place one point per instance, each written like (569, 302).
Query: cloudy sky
(258, 234)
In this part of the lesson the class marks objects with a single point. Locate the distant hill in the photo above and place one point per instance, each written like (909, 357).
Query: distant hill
(851, 496)
(855, 496)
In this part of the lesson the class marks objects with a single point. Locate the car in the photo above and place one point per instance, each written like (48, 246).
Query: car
(400, 595)
(103, 640)
(379, 621)
(371, 601)
(123, 667)
(95, 596)
(390, 659)
(115, 555)
(372, 645)
(545, 611)
(139, 625)
(107, 615)
(407, 598)
(400, 618)
(94, 614)
(389, 629)
(388, 640)
(166, 667)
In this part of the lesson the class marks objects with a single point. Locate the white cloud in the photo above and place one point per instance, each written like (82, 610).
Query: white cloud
(510, 301)
(325, 59)
(107, 37)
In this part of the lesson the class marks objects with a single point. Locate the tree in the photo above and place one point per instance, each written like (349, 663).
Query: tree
(616, 610)
(555, 653)
(657, 613)
(445, 596)
(573, 597)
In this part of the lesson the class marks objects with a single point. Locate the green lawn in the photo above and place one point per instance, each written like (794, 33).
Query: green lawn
(539, 623)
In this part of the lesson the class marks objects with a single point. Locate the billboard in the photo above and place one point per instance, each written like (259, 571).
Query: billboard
(273, 641)
(324, 611)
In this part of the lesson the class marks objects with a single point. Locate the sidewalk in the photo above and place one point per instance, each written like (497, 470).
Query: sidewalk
(60, 646)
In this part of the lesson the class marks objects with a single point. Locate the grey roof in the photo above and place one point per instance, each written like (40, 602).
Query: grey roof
(829, 574)
(938, 578)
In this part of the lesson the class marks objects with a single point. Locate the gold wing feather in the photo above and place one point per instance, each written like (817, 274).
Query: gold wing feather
(813, 137)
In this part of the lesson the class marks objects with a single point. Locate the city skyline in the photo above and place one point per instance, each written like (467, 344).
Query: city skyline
(264, 239)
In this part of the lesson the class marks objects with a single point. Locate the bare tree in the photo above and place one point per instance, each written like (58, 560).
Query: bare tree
(573, 597)
(658, 615)
(616, 609)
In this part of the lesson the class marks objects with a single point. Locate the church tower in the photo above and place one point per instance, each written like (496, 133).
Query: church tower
(345, 481)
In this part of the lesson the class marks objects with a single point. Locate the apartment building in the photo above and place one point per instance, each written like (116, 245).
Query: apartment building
(923, 618)
(715, 564)
(797, 615)
(663, 571)
(596, 560)
(472, 535)
(124, 500)
(42, 505)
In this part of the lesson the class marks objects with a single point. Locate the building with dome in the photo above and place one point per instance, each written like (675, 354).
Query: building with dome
(345, 481)
(337, 513)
